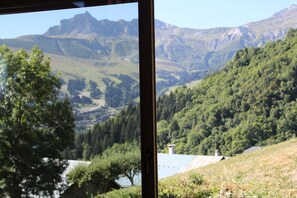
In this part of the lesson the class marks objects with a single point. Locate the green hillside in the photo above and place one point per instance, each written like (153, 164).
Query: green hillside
(252, 101)
(268, 172)
(88, 58)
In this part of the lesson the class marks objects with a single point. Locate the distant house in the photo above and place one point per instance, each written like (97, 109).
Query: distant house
(252, 149)
(168, 165)
(172, 164)
(200, 161)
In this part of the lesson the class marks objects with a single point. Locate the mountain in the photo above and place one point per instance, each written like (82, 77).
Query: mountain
(189, 49)
(82, 25)
(251, 101)
(212, 48)
(182, 54)
(177, 49)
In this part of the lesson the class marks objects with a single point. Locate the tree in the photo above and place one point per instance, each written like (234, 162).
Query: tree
(76, 85)
(126, 159)
(129, 165)
(95, 93)
(121, 160)
(36, 125)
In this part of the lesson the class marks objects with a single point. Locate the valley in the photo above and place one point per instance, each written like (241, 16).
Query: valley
(97, 60)
(250, 102)
(72, 123)
(101, 49)
(73, 93)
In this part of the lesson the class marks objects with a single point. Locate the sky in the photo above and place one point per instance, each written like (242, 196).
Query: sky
(200, 14)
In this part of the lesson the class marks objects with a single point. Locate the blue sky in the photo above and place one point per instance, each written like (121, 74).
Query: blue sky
(183, 13)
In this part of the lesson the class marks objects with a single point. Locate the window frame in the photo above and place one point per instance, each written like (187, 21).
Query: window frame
(146, 74)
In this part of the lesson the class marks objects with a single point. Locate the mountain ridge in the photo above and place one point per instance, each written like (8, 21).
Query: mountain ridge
(251, 101)
(188, 48)
(92, 27)
(182, 54)
(86, 18)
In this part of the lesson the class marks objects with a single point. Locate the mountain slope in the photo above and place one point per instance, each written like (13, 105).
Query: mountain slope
(252, 101)
(212, 48)
(86, 25)
(268, 172)
(84, 48)
(183, 54)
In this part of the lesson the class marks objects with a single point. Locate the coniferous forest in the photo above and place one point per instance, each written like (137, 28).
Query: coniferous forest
(251, 101)
(122, 128)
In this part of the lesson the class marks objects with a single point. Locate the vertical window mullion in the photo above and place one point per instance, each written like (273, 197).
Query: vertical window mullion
(147, 98)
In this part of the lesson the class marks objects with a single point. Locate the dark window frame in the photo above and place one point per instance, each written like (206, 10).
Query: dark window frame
(146, 70)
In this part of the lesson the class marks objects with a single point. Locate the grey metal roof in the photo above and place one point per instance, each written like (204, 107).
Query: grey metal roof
(251, 149)
(172, 164)
(169, 165)
(200, 161)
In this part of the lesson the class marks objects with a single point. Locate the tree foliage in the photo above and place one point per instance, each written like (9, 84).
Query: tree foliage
(121, 128)
(121, 160)
(35, 125)
(75, 85)
(252, 101)
(119, 94)
(95, 93)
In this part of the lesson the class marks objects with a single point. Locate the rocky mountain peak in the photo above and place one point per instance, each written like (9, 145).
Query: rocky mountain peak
(287, 11)
(86, 18)
(80, 24)
(197, 49)
(238, 32)
(163, 26)
(85, 24)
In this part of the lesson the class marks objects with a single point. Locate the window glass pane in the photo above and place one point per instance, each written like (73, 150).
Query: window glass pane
(222, 71)
(69, 121)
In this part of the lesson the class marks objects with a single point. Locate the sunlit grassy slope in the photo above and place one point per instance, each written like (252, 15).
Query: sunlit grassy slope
(269, 172)
(189, 85)
(71, 67)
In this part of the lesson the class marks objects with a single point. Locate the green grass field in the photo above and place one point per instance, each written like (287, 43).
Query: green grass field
(189, 85)
(269, 172)
(71, 67)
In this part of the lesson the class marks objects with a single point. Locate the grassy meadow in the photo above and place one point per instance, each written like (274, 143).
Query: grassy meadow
(270, 172)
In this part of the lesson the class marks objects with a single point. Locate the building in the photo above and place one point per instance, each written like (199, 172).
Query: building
(172, 164)
(169, 164)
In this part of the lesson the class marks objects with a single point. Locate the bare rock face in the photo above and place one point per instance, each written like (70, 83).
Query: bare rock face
(85, 25)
